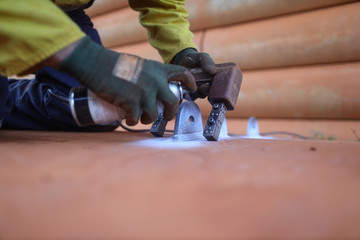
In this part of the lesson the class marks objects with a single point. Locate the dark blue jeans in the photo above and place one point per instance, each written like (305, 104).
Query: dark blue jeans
(42, 103)
(6, 102)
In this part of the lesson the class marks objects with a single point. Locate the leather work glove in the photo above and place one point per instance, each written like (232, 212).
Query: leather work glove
(127, 81)
(190, 58)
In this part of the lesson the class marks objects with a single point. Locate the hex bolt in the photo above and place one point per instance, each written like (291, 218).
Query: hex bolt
(211, 121)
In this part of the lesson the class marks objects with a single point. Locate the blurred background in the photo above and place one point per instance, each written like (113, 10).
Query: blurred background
(300, 59)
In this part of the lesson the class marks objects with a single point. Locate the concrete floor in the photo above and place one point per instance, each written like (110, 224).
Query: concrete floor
(63, 185)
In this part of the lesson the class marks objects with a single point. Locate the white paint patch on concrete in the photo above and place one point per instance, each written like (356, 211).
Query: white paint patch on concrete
(173, 143)
(169, 142)
(189, 140)
(186, 141)
(251, 137)
(195, 140)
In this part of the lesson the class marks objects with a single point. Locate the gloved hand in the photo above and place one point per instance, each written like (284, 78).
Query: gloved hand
(190, 58)
(127, 81)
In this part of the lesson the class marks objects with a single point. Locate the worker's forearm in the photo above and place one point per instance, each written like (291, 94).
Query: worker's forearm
(32, 31)
(167, 25)
(55, 60)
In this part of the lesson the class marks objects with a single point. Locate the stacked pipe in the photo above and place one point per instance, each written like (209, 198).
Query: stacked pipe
(300, 59)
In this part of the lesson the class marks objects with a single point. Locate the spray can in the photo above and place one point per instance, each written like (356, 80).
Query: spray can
(88, 109)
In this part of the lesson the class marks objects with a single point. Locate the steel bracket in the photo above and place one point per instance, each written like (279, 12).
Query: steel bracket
(188, 124)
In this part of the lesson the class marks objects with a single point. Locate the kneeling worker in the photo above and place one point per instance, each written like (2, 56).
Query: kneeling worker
(56, 41)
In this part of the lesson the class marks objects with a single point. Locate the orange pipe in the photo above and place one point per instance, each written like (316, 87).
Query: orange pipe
(145, 50)
(322, 36)
(121, 26)
(104, 6)
(205, 14)
(312, 92)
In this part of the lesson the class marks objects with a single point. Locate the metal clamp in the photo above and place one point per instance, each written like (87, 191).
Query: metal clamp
(215, 122)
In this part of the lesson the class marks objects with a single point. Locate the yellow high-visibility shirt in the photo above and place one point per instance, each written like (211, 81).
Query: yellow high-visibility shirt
(167, 25)
(33, 30)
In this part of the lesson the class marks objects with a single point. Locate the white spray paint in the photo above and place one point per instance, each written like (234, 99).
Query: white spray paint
(170, 142)
(197, 140)
(191, 140)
